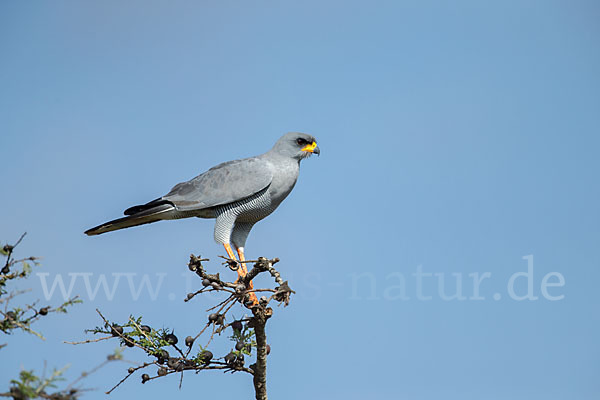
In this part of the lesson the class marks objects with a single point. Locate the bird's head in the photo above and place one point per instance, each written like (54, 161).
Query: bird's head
(296, 145)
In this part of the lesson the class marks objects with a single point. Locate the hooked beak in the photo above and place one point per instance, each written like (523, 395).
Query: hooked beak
(312, 148)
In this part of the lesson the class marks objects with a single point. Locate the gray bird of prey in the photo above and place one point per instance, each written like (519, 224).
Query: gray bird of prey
(237, 194)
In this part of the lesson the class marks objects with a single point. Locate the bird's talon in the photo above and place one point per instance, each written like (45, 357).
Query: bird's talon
(250, 300)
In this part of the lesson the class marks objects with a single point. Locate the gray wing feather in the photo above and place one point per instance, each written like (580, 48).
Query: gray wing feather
(223, 184)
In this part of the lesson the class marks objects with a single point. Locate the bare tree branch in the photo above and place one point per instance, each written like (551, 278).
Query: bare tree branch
(247, 333)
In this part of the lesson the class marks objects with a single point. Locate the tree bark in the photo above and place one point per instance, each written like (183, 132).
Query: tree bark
(260, 373)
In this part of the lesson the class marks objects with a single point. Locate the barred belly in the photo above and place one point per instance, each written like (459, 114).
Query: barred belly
(249, 210)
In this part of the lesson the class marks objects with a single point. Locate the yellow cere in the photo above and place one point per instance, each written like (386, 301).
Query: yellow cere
(310, 147)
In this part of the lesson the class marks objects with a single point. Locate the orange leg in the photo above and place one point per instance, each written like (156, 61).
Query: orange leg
(240, 251)
(242, 271)
(253, 297)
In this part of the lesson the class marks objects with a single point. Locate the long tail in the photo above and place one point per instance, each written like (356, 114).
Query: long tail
(154, 211)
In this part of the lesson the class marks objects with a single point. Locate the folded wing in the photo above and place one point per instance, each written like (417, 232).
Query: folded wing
(226, 183)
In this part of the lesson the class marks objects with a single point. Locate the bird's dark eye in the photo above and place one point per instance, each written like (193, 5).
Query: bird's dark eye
(302, 142)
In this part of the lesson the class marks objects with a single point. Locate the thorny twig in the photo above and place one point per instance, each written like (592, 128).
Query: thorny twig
(248, 331)
(9, 250)
(22, 317)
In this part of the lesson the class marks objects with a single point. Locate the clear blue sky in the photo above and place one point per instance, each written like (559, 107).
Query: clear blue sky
(456, 138)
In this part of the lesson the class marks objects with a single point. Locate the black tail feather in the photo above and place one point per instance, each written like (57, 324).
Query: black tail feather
(156, 212)
(144, 207)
